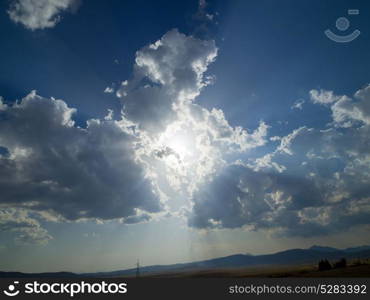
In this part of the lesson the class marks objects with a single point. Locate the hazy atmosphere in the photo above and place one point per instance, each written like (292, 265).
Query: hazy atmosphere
(176, 131)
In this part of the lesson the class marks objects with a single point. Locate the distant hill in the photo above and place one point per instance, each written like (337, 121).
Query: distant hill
(357, 249)
(324, 249)
(38, 275)
(347, 250)
(288, 257)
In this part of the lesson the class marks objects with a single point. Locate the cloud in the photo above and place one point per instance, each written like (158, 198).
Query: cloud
(198, 145)
(163, 145)
(109, 90)
(298, 104)
(2, 104)
(315, 182)
(166, 73)
(239, 196)
(184, 142)
(323, 97)
(205, 20)
(312, 195)
(346, 110)
(27, 228)
(77, 173)
(39, 14)
(202, 13)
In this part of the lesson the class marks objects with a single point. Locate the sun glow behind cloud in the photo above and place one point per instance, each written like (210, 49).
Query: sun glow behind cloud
(182, 145)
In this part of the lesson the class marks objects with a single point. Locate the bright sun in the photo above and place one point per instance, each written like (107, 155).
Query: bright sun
(181, 145)
(181, 142)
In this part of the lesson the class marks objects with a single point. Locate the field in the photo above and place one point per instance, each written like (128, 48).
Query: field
(352, 270)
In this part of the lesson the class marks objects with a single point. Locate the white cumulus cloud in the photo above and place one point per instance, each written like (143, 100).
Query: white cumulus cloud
(346, 110)
(38, 14)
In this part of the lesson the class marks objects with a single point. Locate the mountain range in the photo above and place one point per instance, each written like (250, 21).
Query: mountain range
(287, 257)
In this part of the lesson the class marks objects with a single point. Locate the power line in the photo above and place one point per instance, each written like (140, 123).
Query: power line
(137, 269)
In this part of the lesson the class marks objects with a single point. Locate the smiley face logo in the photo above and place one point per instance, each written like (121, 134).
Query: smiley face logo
(342, 24)
(11, 292)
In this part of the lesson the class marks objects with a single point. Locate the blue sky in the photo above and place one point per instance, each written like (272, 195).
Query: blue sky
(76, 59)
(204, 153)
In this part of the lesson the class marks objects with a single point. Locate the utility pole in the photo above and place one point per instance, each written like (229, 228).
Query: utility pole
(137, 269)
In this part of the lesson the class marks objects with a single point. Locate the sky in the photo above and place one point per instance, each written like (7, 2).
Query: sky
(179, 131)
